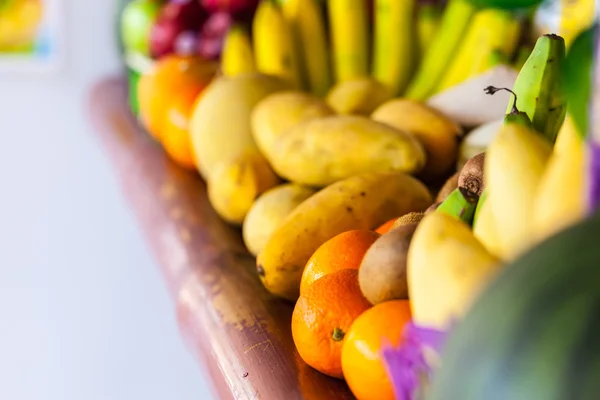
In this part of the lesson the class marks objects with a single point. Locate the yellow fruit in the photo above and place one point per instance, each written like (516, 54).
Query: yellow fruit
(358, 96)
(514, 164)
(234, 185)
(361, 202)
(560, 198)
(278, 112)
(349, 32)
(275, 51)
(237, 56)
(438, 134)
(447, 268)
(307, 22)
(269, 211)
(220, 122)
(395, 44)
(325, 150)
(485, 229)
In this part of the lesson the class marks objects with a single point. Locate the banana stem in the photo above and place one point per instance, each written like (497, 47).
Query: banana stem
(492, 90)
(593, 174)
(515, 116)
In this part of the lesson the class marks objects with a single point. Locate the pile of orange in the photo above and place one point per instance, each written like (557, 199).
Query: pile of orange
(167, 94)
(335, 329)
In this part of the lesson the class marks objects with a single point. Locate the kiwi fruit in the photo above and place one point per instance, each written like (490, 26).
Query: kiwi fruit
(382, 273)
(432, 208)
(471, 175)
(407, 219)
(449, 186)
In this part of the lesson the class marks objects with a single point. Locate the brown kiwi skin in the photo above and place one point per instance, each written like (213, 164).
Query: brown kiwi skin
(471, 174)
(406, 219)
(382, 273)
(449, 186)
(432, 208)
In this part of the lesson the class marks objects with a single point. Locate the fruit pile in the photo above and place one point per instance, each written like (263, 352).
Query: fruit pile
(331, 133)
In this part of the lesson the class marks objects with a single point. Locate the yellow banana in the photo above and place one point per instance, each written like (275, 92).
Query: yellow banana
(349, 32)
(394, 43)
(514, 164)
(428, 21)
(274, 49)
(307, 22)
(560, 199)
(491, 31)
(237, 57)
(447, 267)
(453, 26)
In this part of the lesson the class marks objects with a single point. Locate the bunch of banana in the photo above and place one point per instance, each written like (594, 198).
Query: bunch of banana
(237, 57)
(349, 32)
(307, 23)
(394, 43)
(491, 38)
(453, 26)
(428, 21)
(274, 49)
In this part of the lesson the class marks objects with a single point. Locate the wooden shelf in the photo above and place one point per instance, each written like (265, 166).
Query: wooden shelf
(239, 333)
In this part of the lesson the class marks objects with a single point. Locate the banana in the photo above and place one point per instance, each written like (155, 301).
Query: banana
(539, 88)
(274, 47)
(560, 199)
(521, 57)
(484, 226)
(447, 267)
(307, 22)
(360, 202)
(349, 32)
(237, 57)
(394, 43)
(269, 211)
(514, 164)
(492, 36)
(428, 21)
(461, 204)
(455, 22)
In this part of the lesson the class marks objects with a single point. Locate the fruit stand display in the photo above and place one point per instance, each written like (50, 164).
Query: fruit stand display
(351, 198)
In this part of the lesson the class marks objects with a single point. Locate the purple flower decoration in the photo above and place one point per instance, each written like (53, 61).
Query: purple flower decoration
(407, 365)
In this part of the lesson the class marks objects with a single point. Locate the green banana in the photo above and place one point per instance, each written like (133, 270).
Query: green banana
(577, 77)
(461, 203)
(539, 89)
(428, 21)
(480, 203)
(394, 43)
(454, 24)
(505, 4)
(521, 57)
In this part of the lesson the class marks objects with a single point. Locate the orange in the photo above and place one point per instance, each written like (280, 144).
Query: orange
(176, 135)
(385, 228)
(323, 315)
(361, 360)
(343, 251)
(173, 82)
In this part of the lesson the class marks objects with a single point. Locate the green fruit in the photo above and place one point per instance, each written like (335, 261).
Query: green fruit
(539, 88)
(505, 4)
(578, 77)
(533, 333)
(461, 204)
(136, 22)
(133, 78)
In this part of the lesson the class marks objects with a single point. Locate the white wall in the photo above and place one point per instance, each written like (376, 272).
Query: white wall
(70, 253)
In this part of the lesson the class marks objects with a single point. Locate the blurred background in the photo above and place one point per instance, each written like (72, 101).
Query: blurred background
(85, 314)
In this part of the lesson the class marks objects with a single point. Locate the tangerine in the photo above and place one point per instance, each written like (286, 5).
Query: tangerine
(362, 364)
(385, 228)
(322, 317)
(344, 251)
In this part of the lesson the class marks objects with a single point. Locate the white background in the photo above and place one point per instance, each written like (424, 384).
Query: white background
(84, 313)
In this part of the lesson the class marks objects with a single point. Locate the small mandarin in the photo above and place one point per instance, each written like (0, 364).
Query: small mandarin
(361, 361)
(385, 228)
(344, 251)
(323, 315)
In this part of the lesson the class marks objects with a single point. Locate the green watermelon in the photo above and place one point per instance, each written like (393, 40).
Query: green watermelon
(534, 334)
